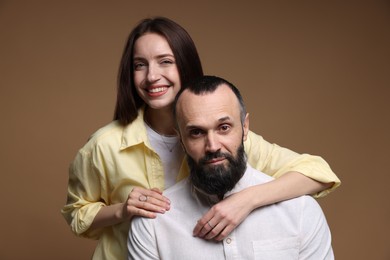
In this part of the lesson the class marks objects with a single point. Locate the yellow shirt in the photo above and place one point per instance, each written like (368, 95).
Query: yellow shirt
(117, 158)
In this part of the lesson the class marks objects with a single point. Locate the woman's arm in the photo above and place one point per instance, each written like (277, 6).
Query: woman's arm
(295, 175)
(87, 209)
(229, 213)
(277, 161)
(152, 202)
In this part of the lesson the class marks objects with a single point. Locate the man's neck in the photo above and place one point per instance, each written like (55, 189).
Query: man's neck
(210, 199)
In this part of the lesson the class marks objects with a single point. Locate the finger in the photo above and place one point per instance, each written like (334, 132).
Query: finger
(215, 231)
(156, 190)
(144, 203)
(156, 194)
(152, 204)
(201, 229)
(202, 224)
(150, 196)
(210, 230)
(204, 231)
(225, 233)
(142, 208)
(134, 211)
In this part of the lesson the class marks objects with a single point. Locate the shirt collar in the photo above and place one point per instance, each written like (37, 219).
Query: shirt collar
(135, 132)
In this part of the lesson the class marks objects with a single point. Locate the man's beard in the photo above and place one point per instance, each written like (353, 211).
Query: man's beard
(219, 179)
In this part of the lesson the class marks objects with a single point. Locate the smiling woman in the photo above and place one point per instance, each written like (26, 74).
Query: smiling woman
(156, 76)
(124, 167)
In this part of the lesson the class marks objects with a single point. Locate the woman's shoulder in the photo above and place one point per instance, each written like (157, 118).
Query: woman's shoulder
(111, 128)
(253, 140)
(115, 134)
(110, 133)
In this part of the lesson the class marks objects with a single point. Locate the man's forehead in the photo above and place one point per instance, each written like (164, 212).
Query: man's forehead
(218, 104)
(221, 94)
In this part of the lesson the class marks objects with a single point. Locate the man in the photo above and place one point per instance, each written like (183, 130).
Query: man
(213, 124)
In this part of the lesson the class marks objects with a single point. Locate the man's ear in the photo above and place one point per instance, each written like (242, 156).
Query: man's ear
(177, 132)
(181, 141)
(245, 127)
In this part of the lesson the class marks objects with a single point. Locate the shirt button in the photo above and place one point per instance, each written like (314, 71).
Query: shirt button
(228, 240)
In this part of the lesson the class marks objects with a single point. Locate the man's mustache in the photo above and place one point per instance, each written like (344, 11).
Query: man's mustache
(218, 154)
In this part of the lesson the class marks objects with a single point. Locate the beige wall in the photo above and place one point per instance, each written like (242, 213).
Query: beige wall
(315, 76)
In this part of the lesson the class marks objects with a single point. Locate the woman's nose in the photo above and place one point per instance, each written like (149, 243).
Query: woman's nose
(153, 73)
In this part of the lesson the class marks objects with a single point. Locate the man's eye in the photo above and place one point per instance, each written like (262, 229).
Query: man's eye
(225, 128)
(196, 132)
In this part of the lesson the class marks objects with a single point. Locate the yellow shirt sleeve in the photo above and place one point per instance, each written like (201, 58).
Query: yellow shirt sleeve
(276, 161)
(84, 196)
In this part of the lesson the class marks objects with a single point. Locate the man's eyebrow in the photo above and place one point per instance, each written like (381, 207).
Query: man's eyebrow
(221, 120)
(191, 127)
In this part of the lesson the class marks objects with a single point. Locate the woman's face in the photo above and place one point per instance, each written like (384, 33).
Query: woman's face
(156, 76)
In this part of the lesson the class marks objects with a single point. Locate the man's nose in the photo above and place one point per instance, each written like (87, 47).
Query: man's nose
(212, 143)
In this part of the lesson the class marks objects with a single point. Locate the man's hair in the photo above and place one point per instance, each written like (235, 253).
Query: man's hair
(186, 57)
(208, 84)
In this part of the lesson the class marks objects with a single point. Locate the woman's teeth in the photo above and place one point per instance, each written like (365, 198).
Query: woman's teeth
(155, 90)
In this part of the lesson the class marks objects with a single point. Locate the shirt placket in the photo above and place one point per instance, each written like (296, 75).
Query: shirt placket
(156, 176)
(230, 246)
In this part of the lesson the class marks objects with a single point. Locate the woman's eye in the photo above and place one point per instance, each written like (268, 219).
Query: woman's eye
(139, 65)
(166, 62)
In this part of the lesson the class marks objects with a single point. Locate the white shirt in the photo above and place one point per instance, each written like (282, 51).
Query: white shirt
(294, 229)
(170, 152)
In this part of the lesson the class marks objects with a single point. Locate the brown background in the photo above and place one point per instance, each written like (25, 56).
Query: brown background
(315, 76)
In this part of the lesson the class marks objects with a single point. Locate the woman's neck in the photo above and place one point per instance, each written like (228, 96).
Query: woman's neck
(160, 120)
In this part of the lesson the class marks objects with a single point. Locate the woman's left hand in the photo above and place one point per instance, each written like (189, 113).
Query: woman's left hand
(224, 216)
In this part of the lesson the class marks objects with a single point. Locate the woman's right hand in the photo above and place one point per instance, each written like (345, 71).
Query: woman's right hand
(145, 203)
(140, 202)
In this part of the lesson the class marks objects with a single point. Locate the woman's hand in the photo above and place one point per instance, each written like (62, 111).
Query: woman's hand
(145, 203)
(225, 216)
(140, 202)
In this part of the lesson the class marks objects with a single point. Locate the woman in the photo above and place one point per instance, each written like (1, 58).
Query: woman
(122, 170)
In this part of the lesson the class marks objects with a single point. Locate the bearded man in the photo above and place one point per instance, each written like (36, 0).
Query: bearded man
(213, 124)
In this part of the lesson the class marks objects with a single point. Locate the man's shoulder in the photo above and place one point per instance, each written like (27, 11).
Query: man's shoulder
(180, 196)
(302, 201)
(179, 191)
(302, 207)
(257, 176)
(302, 204)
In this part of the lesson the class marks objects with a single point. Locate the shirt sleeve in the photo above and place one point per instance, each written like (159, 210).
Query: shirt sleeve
(315, 232)
(141, 242)
(84, 198)
(276, 161)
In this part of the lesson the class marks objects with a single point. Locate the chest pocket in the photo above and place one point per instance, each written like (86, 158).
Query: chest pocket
(278, 249)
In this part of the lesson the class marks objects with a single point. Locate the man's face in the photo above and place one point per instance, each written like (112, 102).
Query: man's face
(212, 135)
